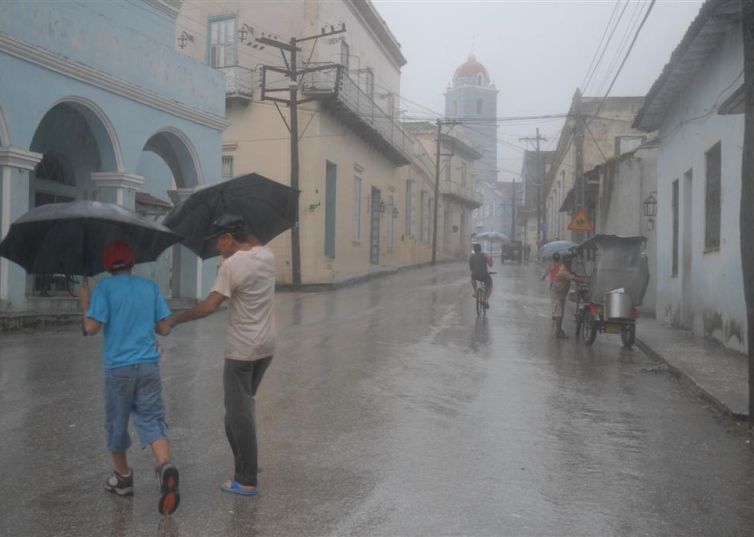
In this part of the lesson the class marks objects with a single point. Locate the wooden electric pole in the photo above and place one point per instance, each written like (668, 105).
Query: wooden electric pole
(295, 77)
(746, 215)
(540, 173)
(440, 123)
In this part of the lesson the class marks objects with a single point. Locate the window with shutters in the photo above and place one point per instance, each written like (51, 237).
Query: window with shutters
(222, 42)
(713, 199)
(357, 208)
(675, 229)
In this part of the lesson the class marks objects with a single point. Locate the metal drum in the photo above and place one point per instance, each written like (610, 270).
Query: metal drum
(618, 305)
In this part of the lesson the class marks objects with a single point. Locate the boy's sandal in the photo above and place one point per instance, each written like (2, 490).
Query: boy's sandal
(234, 487)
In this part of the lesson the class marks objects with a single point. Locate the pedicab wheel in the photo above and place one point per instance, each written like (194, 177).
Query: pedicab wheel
(588, 328)
(628, 335)
(579, 322)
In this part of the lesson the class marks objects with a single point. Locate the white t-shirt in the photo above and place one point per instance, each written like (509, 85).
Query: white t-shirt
(247, 278)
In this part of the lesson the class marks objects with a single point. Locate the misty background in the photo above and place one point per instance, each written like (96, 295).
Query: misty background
(537, 52)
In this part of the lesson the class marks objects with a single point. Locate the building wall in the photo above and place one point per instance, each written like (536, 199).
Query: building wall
(713, 304)
(599, 144)
(258, 140)
(114, 65)
(624, 185)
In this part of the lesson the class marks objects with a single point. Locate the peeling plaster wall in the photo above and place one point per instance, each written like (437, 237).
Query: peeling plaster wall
(714, 303)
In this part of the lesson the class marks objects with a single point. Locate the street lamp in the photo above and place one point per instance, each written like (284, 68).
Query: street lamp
(650, 209)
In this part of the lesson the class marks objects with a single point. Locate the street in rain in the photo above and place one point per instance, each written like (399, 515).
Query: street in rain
(376, 268)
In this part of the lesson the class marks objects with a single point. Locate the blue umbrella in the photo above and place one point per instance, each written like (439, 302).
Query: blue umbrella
(492, 236)
(561, 247)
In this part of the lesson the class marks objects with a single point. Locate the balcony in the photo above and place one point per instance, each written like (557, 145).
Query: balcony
(352, 105)
(461, 193)
(239, 83)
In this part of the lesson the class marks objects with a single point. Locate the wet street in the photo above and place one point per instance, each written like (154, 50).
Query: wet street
(390, 409)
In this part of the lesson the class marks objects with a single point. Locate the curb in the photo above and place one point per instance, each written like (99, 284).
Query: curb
(355, 280)
(688, 382)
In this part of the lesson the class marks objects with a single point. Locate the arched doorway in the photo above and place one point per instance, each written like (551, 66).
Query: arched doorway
(75, 139)
(171, 170)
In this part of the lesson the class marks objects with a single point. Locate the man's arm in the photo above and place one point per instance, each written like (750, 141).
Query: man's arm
(207, 307)
(163, 327)
(489, 259)
(91, 327)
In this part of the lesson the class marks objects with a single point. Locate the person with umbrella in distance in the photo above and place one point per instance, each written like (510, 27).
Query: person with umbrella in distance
(131, 309)
(246, 279)
(560, 275)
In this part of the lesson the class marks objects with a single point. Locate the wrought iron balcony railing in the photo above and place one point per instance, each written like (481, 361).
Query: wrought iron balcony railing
(354, 105)
(461, 192)
(239, 82)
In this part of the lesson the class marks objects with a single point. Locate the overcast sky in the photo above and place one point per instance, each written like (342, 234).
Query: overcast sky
(537, 52)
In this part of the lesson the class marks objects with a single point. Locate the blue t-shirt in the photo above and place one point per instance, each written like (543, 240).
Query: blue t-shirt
(129, 307)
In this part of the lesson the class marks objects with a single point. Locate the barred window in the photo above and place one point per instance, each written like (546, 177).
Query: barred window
(227, 166)
(712, 209)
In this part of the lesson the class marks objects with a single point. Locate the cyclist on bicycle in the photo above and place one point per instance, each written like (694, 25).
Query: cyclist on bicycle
(478, 264)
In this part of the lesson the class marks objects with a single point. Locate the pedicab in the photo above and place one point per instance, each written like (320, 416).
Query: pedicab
(612, 275)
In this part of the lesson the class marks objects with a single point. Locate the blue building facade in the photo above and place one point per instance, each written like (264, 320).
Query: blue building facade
(96, 103)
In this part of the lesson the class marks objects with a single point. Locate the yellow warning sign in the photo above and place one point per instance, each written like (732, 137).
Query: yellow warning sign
(580, 222)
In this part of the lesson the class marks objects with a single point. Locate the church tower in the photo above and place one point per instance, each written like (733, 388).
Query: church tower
(473, 96)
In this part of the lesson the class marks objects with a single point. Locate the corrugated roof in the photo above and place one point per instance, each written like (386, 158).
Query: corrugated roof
(704, 36)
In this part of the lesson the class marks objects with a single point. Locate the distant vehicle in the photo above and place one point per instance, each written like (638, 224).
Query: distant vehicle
(512, 251)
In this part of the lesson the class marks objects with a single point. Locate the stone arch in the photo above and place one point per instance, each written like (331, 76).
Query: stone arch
(4, 131)
(101, 127)
(76, 139)
(179, 153)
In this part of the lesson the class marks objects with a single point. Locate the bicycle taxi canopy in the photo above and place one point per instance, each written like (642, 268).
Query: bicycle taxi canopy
(616, 262)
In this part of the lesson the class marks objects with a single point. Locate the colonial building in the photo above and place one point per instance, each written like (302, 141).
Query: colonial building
(351, 142)
(534, 169)
(93, 95)
(472, 96)
(458, 198)
(595, 130)
(696, 105)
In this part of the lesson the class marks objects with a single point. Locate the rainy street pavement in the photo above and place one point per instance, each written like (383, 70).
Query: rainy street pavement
(389, 410)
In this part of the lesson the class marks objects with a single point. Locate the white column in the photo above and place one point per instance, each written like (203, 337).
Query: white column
(15, 167)
(118, 187)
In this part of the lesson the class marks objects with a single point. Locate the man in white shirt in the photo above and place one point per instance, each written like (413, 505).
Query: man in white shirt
(247, 280)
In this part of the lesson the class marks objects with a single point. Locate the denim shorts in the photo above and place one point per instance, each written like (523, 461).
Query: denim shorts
(133, 391)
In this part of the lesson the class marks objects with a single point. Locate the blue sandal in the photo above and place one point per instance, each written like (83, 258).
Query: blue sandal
(236, 488)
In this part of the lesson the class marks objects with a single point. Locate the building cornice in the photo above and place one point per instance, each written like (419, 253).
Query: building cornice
(14, 157)
(169, 7)
(367, 14)
(94, 77)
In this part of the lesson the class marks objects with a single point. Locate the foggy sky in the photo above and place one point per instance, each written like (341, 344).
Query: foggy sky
(537, 52)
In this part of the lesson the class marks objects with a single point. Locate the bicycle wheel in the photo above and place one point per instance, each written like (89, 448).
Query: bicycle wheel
(628, 335)
(479, 300)
(588, 328)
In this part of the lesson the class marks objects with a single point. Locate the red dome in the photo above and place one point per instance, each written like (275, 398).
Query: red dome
(471, 69)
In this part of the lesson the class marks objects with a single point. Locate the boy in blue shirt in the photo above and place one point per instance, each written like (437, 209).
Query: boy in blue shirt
(131, 309)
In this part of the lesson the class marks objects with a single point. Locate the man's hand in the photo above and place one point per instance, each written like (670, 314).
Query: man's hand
(85, 294)
(207, 307)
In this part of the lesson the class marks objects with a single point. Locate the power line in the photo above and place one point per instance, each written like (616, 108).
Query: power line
(599, 45)
(607, 44)
(628, 53)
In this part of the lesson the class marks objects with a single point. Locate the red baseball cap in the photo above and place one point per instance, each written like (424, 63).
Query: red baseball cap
(118, 255)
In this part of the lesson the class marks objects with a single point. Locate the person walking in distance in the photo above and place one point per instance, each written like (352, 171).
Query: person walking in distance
(246, 279)
(131, 309)
(560, 276)
(478, 263)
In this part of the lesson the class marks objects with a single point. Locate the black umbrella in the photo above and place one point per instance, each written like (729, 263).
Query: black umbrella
(269, 208)
(69, 238)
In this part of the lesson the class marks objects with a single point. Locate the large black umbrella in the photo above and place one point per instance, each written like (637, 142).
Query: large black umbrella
(69, 238)
(269, 208)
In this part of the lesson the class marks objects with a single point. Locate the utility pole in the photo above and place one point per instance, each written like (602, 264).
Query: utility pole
(540, 179)
(579, 144)
(295, 77)
(440, 123)
(746, 216)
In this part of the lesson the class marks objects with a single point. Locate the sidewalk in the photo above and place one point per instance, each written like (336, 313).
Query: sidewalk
(716, 374)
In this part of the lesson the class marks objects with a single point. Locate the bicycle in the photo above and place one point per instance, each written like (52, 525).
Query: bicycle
(481, 291)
